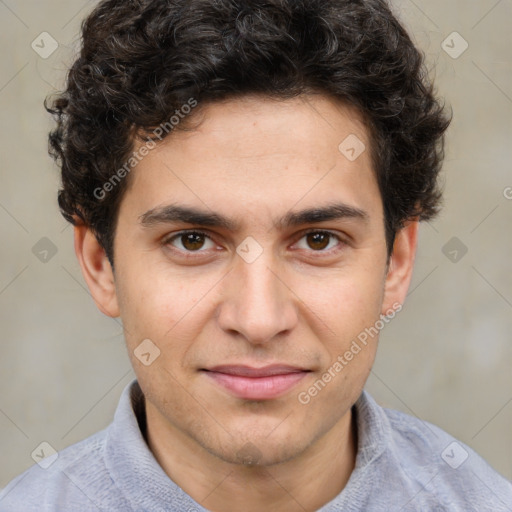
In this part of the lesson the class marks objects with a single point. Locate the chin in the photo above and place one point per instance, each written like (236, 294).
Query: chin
(258, 452)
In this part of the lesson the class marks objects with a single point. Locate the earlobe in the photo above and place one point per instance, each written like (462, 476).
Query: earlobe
(401, 265)
(96, 270)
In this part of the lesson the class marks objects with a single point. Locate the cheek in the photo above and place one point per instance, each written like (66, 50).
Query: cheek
(347, 301)
(162, 306)
(169, 306)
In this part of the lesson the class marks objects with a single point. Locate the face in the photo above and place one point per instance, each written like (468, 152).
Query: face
(251, 252)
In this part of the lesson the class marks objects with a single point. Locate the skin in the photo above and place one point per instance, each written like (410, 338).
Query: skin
(254, 160)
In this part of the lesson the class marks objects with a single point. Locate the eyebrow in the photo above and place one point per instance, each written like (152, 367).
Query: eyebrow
(174, 213)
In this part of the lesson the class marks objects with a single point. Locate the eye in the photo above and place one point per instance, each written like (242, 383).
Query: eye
(190, 241)
(319, 241)
(194, 241)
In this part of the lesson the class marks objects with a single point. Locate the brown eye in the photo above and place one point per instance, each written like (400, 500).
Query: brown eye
(318, 241)
(191, 241)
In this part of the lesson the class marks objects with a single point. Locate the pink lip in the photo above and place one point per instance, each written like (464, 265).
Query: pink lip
(256, 383)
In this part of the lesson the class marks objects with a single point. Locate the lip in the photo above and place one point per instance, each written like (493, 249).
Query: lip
(250, 383)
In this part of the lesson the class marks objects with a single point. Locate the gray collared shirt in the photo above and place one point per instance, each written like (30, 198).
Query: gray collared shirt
(403, 464)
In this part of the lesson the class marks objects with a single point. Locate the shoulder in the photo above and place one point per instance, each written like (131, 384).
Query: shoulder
(73, 479)
(445, 467)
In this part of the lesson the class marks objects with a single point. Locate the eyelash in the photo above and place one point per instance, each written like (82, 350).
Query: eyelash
(192, 254)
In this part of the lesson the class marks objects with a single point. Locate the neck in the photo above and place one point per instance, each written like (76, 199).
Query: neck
(305, 483)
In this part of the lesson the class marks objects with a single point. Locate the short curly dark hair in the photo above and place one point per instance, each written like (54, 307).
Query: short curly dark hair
(141, 60)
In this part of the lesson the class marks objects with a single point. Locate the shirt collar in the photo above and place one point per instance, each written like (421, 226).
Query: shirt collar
(136, 472)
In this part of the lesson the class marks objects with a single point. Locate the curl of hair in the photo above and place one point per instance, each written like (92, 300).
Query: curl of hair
(141, 60)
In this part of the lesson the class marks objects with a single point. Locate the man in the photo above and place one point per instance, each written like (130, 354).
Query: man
(246, 181)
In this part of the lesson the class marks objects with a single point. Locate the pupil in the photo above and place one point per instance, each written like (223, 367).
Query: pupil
(192, 241)
(318, 240)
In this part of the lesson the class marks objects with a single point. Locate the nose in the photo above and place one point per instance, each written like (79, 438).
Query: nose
(258, 304)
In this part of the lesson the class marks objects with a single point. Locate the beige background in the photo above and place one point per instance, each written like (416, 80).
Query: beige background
(446, 358)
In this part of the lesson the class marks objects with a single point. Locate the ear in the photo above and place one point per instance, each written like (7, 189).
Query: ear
(97, 271)
(400, 266)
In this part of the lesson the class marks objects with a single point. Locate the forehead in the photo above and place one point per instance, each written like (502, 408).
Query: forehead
(260, 155)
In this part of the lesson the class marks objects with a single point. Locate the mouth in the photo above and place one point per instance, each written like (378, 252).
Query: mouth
(251, 383)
